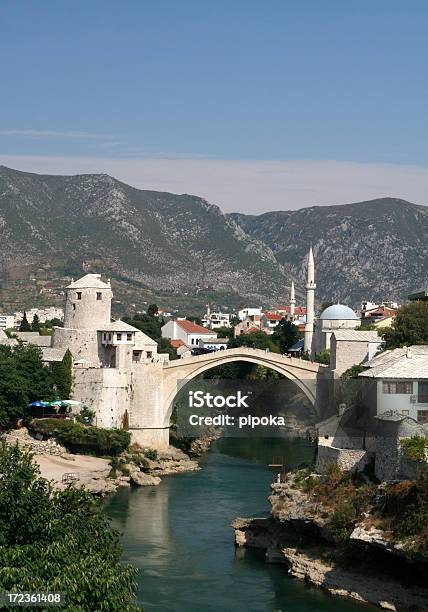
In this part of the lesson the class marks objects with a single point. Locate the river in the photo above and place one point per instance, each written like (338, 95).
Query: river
(179, 535)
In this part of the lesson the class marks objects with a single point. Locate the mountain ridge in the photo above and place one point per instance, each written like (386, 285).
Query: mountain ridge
(64, 224)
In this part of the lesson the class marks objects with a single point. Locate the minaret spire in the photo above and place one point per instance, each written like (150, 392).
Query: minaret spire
(310, 303)
(292, 301)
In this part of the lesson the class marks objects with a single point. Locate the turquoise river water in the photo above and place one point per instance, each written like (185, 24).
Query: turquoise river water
(179, 535)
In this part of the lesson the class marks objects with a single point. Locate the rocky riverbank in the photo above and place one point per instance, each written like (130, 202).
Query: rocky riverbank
(368, 565)
(102, 476)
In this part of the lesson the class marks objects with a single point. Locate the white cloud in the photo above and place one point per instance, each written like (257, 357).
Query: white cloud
(248, 186)
(55, 134)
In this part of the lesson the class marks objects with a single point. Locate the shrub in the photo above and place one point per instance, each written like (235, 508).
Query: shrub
(415, 448)
(59, 541)
(85, 439)
(151, 453)
(341, 524)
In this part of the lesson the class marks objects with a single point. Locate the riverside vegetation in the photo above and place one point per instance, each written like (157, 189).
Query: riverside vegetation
(59, 541)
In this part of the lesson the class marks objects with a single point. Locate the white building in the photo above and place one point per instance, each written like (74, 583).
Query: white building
(215, 320)
(247, 313)
(187, 331)
(214, 344)
(44, 314)
(334, 318)
(7, 322)
(401, 378)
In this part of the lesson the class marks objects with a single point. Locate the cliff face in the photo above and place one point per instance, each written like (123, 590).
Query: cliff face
(160, 241)
(367, 250)
(350, 557)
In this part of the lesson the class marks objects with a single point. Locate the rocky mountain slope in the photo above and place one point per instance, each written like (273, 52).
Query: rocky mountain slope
(374, 250)
(72, 224)
(53, 227)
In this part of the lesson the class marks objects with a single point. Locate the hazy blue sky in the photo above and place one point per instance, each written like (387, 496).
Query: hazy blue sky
(105, 82)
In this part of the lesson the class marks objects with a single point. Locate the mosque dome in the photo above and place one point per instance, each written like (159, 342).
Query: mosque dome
(338, 311)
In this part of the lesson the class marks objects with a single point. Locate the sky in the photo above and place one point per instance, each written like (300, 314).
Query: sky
(254, 105)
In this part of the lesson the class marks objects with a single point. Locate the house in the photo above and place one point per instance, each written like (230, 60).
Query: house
(351, 346)
(182, 349)
(285, 311)
(247, 326)
(270, 321)
(380, 315)
(7, 322)
(335, 317)
(214, 344)
(187, 331)
(246, 313)
(400, 377)
(215, 320)
(419, 296)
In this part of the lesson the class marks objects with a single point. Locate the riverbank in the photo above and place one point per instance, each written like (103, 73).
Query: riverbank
(103, 475)
(322, 542)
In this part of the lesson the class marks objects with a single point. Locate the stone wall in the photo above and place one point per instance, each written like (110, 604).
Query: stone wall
(36, 445)
(345, 459)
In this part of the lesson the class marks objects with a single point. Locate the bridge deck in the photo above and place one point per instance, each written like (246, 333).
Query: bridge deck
(244, 352)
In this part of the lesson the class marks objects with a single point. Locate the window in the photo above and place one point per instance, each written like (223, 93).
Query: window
(399, 387)
(405, 412)
(118, 337)
(99, 295)
(74, 306)
(129, 337)
(149, 354)
(79, 295)
(423, 392)
(423, 416)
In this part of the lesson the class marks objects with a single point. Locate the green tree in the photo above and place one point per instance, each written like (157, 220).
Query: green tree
(43, 531)
(62, 375)
(23, 379)
(24, 325)
(152, 310)
(148, 324)
(164, 346)
(35, 325)
(258, 340)
(410, 326)
(323, 357)
(286, 334)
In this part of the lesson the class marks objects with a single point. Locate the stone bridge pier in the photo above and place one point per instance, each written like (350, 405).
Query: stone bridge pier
(154, 388)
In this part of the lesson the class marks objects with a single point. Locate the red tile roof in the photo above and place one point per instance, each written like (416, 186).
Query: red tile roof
(298, 310)
(191, 328)
(273, 316)
(177, 343)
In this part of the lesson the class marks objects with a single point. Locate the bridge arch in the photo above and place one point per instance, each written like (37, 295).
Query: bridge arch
(178, 373)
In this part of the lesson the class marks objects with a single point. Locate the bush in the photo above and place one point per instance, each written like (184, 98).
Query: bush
(59, 541)
(341, 524)
(415, 448)
(151, 453)
(85, 439)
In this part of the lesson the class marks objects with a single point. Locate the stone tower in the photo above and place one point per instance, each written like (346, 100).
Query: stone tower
(310, 303)
(88, 303)
(292, 301)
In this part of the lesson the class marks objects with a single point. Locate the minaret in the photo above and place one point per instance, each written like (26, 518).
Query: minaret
(292, 301)
(310, 303)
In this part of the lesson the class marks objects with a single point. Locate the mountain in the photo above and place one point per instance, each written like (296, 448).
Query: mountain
(373, 250)
(180, 250)
(52, 227)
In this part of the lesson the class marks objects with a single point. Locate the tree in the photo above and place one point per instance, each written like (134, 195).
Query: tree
(286, 334)
(35, 325)
(148, 324)
(152, 310)
(258, 340)
(24, 325)
(43, 530)
(410, 326)
(62, 375)
(23, 379)
(164, 346)
(323, 357)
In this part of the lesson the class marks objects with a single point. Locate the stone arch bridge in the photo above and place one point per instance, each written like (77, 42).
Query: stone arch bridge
(149, 423)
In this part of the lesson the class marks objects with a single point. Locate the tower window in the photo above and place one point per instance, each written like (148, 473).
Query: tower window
(79, 295)
(129, 337)
(118, 337)
(74, 306)
(99, 295)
